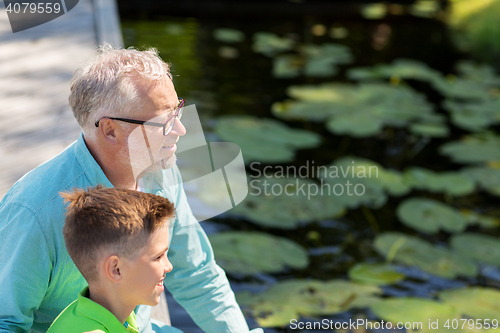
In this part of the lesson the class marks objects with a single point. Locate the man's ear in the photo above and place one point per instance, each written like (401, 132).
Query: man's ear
(110, 131)
(111, 268)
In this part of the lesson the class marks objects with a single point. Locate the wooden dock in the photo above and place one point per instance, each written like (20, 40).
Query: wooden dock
(36, 66)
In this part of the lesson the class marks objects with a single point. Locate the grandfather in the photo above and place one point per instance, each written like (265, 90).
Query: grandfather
(113, 96)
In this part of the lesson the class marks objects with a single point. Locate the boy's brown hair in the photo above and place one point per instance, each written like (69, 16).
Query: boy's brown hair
(104, 221)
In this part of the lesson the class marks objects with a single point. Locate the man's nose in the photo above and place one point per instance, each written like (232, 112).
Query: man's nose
(178, 128)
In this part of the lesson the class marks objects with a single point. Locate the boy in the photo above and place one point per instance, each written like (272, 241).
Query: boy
(118, 239)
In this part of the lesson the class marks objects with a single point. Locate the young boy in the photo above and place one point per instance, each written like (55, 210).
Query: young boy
(118, 239)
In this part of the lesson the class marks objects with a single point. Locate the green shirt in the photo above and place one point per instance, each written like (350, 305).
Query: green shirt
(84, 315)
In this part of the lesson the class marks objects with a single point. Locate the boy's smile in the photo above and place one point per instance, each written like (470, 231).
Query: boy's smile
(143, 276)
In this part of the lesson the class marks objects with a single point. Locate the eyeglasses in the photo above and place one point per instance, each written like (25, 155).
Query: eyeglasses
(167, 125)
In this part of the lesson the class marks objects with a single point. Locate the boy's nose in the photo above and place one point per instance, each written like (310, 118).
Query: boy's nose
(168, 267)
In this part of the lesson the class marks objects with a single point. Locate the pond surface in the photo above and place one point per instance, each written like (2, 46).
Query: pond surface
(239, 76)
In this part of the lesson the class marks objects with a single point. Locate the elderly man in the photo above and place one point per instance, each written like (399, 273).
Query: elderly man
(118, 98)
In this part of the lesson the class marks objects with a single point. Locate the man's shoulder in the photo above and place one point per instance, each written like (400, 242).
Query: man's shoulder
(43, 184)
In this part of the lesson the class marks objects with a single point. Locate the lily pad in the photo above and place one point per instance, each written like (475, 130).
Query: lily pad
(228, 35)
(286, 202)
(360, 111)
(400, 68)
(482, 248)
(270, 44)
(249, 253)
(452, 183)
(434, 130)
(321, 60)
(476, 302)
(374, 274)
(413, 251)
(486, 178)
(483, 221)
(425, 8)
(374, 11)
(264, 140)
(356, 181)
(473, 149)
(415, 311)
(429, 216)
(287, 66)
(292, 299)
(474, 116)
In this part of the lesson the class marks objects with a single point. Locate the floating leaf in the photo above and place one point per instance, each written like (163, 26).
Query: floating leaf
(413, 251)
(249, 253)
(359, 111)
(287, 202)
(400, 68)
(287, 66)
(321, 60)
(270, 44)
(479, 247)
(228, 35)
(374, 11)
(356, 181)
(476, 302)
(481, 220)
(474, 116)
(264, 140)
(425, 8)
(292, 299)
(456, 87)
(473, 149)
(374, 274)
(429, 216)
(415, 311)
(452, 183)
(486, 178)
(434, 130)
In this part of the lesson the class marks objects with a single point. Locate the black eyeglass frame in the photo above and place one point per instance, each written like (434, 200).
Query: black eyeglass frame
(178, 113)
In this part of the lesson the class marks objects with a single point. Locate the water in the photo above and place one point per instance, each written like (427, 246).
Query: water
(222, 78)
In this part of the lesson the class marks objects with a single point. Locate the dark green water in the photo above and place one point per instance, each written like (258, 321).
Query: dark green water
(242, 83)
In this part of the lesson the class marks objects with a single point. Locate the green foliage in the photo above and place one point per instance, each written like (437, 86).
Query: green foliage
(413, 251)
(475, 23)
(366, 175)
(374, 274)
(264, 140)
(482, 248)
(270, 44)
(451, 183)
(292, 299)
(228, 35)
(486, 178)
(429, 216)
(290, 206)
(359, 111)
(475, 302)
(254, 252)
(415, 310)
(473, 149)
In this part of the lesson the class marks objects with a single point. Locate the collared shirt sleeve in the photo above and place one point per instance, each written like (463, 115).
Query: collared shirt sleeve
(196, 281)
(25, 267)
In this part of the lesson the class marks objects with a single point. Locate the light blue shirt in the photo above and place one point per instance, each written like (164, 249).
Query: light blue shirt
(38, 278)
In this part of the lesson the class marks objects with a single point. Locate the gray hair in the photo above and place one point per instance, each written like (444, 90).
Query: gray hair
(107, 84)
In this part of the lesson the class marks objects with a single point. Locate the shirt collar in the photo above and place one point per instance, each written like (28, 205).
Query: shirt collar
(91, 309)
(89, 165)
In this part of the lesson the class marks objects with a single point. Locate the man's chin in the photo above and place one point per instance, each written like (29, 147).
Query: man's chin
(162, 164)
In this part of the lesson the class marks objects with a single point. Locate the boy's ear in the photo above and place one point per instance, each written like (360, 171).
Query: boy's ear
(111, 268)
